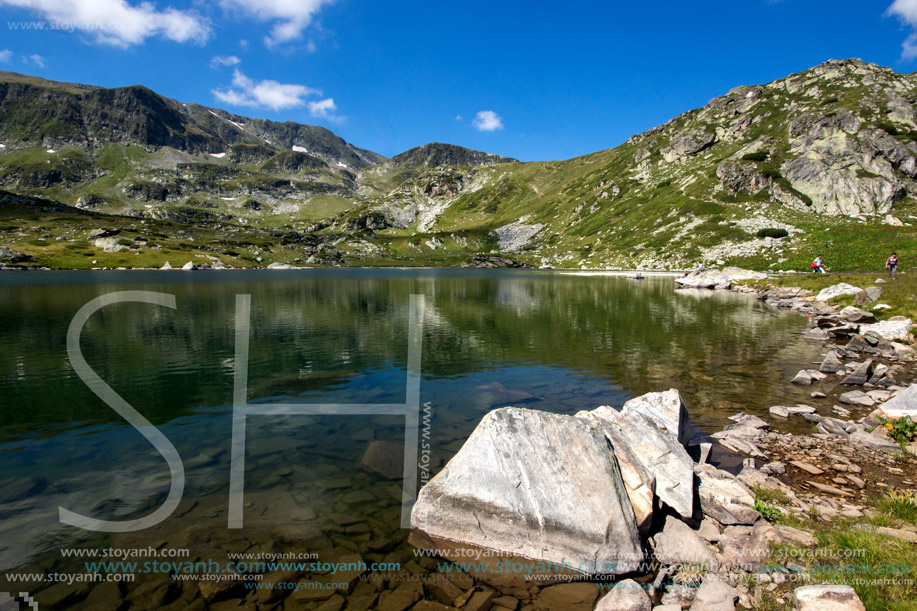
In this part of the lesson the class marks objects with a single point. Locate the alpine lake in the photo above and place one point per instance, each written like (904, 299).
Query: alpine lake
(545, 340)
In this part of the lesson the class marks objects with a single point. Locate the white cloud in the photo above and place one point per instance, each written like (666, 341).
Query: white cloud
(487, 121)
(36, 59)
(293, 15)
(323, 109)
(5, 56)
(459, 118)
(267, 94)
(906, 11)
(116, 22)
(224, 60)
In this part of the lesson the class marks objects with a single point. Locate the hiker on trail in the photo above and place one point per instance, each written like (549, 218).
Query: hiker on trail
(817, 265)
(891, 264)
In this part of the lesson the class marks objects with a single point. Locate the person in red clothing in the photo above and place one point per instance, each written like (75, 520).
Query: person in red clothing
(817, 266)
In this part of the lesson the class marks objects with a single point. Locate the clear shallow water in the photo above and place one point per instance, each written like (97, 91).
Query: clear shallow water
(536, 339)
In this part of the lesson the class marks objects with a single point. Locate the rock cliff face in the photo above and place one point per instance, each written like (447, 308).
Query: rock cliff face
(833, 133)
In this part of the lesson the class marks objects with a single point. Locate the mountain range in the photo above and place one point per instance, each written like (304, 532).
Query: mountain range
(765, 176)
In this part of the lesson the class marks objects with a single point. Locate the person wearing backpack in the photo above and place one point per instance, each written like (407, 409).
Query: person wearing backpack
(891, 264)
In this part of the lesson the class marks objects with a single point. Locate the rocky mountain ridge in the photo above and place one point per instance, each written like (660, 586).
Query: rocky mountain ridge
(765, 176)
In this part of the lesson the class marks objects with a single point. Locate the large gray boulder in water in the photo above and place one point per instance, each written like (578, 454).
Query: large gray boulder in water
(639, 482)
(665, 409)
(656, 448)
(534, 485)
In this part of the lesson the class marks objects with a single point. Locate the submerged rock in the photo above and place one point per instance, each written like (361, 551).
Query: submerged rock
(535, 485)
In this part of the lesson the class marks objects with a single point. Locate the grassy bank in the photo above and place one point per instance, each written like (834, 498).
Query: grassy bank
(900, 294)
(880, 567)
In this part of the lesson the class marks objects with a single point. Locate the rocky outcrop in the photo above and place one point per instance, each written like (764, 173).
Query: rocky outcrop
(723, 497)
(738, 176)
(10, 256)
(666, 409)
(839, 174)
(891, 330)
(686, 143)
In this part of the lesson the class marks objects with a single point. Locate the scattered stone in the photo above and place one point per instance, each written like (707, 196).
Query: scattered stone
(715, 595)
(836, 291)
(862, 299)
(832, 363)
(166, 266)
(816, 335)
(807, 467)
(860, 374)
(829, 489)
(189, 266)
(779, 411)
(572, 596)
(723, 497)
(827, 598)
(795, 536)
(875, 442)
(857, 397)
(679, 544)
(874, 292)
(891, 330)
(627, 595)
(856, 315)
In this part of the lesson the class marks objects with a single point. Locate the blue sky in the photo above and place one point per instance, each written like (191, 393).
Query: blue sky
(530, 79)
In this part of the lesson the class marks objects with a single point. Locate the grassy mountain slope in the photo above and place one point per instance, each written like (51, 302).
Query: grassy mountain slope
(767, 176)
(821, 157)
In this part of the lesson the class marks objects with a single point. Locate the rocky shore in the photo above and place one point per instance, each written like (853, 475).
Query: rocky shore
(619, 510)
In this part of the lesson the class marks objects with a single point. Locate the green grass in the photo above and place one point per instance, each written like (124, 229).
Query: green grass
(901, 293)
(846, 554)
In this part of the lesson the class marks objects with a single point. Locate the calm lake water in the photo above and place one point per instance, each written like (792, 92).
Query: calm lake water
(544, 340)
